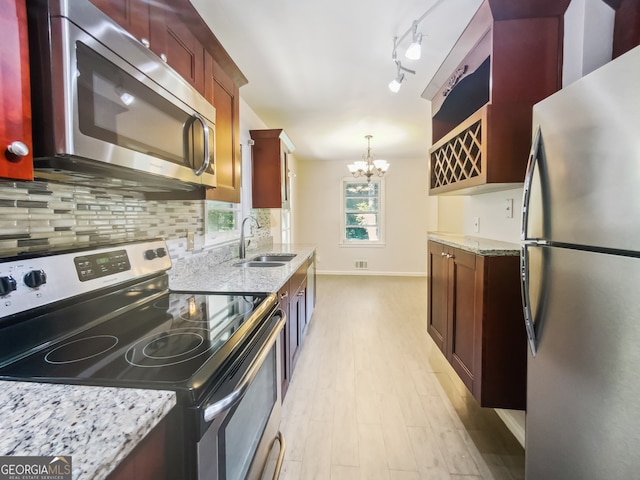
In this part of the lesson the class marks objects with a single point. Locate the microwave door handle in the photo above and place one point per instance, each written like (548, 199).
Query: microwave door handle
(205, 128)
(214, 409)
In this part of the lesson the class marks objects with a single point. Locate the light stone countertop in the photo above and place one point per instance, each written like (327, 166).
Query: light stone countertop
(201, 274)
(480, 246)
(97, 426)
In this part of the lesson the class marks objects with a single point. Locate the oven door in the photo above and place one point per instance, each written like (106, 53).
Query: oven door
(127, 109)
(241, 420)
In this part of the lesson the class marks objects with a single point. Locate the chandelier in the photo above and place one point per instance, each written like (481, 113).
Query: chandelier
(368, 166)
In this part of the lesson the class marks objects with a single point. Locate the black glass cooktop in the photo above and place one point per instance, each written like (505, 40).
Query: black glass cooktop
(174, 341)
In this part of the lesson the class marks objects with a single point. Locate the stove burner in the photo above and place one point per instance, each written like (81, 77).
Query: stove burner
(165, 349)
(165, 345)
(81, 349)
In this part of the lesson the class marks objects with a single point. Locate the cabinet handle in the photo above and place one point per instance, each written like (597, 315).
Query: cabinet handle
(19, 149)
(451, 256)
(443, 254)
(284, 294)
(145, 42)
(163, 57)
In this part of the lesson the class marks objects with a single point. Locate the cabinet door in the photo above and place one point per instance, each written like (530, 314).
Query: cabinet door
(294, 331)
(223, 93)
(437, 294)
(285, 371)
(15, 97)
(303, 321)
(462, 322)
(171, 36)
(132, 15)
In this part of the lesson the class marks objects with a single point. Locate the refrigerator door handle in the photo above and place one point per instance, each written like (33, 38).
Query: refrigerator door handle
(526, 300)
(531, 166)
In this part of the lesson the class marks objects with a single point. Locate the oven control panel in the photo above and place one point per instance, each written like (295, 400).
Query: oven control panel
(28, 283)
(99, 265)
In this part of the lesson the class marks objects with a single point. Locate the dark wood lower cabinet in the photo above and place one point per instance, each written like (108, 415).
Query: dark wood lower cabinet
(148, 461)
(293, 300)
(475, 317)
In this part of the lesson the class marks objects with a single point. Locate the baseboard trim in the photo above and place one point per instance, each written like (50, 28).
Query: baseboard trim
(513, 424)
(372, 273)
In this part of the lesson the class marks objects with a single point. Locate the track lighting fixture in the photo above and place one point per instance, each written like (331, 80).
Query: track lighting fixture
(413, 52)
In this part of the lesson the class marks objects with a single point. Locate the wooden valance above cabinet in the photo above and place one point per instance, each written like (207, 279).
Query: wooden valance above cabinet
(507, 59)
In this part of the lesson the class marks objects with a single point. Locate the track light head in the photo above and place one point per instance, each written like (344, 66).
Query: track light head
(396, 83)
(414, 51)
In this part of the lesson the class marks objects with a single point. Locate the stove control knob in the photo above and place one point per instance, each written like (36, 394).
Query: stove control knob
(150, 254)
(161, 252)
(35, 278)
(7, 285)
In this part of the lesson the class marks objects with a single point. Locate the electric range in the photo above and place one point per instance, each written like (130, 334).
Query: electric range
(106, 317)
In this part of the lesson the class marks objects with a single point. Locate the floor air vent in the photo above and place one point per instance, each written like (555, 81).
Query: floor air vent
(361, 265)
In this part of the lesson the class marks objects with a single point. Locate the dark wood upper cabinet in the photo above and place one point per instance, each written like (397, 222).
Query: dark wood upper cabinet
(172, 35)
(223, 93)
(15, 99)
(626, 32)
(270, 164)
(507, 59)
(132, 15)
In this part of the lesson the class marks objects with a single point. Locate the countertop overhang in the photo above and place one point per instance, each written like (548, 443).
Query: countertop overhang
(477, 245)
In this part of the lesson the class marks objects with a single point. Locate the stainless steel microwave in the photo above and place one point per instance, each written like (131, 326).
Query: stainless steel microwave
(107, 111)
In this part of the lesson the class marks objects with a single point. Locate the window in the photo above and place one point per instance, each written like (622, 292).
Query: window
(223, 221)
(362, 212)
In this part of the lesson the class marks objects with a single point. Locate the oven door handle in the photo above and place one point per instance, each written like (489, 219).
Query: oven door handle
(214, 409)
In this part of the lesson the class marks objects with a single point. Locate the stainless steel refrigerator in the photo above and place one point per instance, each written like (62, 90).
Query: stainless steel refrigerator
(581, 279)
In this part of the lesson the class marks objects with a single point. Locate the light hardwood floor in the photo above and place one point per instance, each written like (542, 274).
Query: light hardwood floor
(373, 398)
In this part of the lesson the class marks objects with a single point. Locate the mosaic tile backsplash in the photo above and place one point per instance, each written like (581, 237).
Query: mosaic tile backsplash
(41, 216)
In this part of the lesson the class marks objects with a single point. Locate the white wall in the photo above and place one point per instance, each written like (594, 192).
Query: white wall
(409, 214)
(490, 209)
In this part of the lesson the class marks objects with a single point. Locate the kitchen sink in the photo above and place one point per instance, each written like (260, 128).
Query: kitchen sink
(259, 263)
(275, 257)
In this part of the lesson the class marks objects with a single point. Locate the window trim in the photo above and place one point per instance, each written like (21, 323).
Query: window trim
(344, 242)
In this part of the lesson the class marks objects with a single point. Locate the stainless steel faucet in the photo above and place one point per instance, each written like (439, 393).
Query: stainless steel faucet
(243, 247)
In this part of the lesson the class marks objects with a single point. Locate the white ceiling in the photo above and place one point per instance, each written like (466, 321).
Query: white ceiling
(321, 69)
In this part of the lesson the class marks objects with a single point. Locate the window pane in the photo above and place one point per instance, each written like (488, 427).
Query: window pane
(362, 204)
(361, 189)
(222, 217)
(221, 221)
(362, 218)
(362, 233)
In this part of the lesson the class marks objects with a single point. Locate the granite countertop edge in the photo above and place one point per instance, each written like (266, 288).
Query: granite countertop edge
(200, 273)
(480, 246)
(97, 426)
